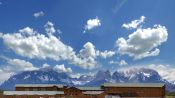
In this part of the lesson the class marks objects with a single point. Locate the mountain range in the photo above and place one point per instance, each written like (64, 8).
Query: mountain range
(49, 76)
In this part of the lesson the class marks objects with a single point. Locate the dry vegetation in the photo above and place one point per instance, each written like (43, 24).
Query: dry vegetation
(170, 95)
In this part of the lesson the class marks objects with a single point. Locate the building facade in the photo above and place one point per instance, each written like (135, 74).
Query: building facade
(107, 90)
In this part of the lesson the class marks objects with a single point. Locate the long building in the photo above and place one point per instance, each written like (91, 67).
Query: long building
(107, 90)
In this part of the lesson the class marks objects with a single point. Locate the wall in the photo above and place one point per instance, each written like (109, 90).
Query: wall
(136, 91)
(38, 88)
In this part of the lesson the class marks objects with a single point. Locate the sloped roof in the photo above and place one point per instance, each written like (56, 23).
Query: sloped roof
(72, 87)
(32, 92)
(89, 88)
(39, 85)
(133, 84)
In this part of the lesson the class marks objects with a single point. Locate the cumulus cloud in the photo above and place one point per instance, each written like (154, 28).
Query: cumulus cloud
(4, 75)
(29, 43)
(15, 65)
(134, 24)
(75, 75)
(45, 65)
(105, 54)
(120, 63)
(49, 28)
(143, 42)
(90, 51)
(38, 14)
(12, 66)
(123, 62)
(166, 71)
(37, 46)
(27, 31)
(88, 54)
(42, 47)
(61, 69)
(92, 23)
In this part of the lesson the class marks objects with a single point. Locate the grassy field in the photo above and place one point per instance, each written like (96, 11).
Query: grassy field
(170, 95)
(1, 92)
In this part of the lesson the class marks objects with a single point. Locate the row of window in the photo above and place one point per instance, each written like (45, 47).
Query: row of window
(35, 89)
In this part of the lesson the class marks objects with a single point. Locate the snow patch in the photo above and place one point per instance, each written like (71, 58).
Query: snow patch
(26, 77)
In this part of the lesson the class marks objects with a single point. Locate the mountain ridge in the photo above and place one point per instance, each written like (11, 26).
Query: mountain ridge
(44, 76)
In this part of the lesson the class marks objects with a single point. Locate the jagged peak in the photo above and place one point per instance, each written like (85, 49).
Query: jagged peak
(51, 76)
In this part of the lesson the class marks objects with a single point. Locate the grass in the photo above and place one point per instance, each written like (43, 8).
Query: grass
(170, 95)
(1, 92)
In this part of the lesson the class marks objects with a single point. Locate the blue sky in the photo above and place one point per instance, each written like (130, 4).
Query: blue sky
(85, 36)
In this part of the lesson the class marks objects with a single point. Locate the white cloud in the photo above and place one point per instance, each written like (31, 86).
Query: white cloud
(120, 63)
(43, 47)
(134, 24)
(87, 56)
(166, 71)
(37, 46)
(13, 66)
(31, 44)
(143, 42)
(119, 5)
(4, 58)
(4, 75)
(105, 54)
(59, 31)
(113, 62)
(61, 68)
(123, 62)
(90, 51)
(38, 14)
(45, 65)
(16, 65)
(49, 28)
(92, 23)
(1, 34)
(75, 75)
(27, 31)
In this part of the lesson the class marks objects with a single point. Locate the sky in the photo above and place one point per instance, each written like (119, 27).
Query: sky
(84, 36)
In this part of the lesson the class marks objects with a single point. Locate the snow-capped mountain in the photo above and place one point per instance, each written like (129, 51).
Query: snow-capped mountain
(49, 76)
(99, 78)
(82, 80)
(36, 77)
(143, 75)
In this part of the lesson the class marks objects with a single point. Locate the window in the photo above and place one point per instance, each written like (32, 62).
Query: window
(26, 89)
(43, 89)
(35, 89)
